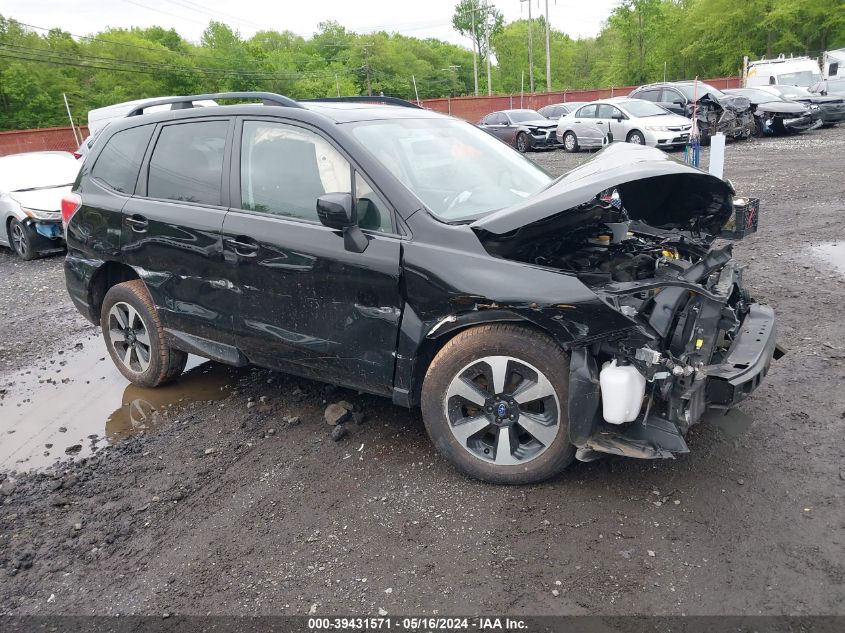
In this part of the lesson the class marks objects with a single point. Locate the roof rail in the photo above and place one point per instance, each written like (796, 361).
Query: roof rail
(396, 101)
(187, 101)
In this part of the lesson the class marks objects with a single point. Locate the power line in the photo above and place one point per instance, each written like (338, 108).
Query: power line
(103, 63)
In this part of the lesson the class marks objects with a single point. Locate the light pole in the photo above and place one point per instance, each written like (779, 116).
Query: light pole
(487, 48)
(530, 50)
(548, 53)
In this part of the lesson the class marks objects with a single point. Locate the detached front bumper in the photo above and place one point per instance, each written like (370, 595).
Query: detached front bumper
(747, 361)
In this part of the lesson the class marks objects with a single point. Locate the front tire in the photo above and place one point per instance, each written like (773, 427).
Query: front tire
(570, 142)
(135, 339)
(636, 138)
(522, 142)
(21, 241)
(494, 403)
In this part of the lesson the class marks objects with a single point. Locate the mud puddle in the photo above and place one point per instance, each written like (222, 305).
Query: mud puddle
(76, 402)
(833, 253)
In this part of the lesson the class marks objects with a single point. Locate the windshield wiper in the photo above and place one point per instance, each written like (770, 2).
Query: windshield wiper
(70, 184)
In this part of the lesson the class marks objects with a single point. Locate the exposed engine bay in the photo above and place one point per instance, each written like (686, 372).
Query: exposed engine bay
(606, 246)
(696, 341)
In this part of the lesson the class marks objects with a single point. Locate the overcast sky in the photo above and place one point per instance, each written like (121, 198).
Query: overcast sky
(426, 18)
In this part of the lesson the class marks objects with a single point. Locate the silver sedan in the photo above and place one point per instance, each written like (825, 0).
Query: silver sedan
(622, 119)
(32, 186)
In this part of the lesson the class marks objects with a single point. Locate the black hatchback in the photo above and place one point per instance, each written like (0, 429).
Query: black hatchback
(408, 254)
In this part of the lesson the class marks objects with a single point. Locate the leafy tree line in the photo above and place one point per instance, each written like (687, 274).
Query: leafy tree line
(121, 64)
(686, 38)
(639, 40)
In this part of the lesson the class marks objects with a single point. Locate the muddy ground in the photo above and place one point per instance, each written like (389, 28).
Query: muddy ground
(235, 500)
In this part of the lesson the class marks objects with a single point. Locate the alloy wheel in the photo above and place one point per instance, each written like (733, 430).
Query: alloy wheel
(636, 139)
(521, 145)
(19, 240)
(129, 337)
(569, 142)
(502, 410)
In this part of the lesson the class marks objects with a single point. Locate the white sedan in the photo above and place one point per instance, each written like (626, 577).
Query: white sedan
(622, 119)
(32, 186)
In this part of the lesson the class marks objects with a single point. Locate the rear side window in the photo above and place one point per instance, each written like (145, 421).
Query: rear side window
(120, 161)
(187, 162)
(587, 112)
(648, 95)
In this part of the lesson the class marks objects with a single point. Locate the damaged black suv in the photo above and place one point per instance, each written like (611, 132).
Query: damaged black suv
(405, 253)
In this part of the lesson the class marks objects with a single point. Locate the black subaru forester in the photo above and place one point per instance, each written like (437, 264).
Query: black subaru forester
(409, 254)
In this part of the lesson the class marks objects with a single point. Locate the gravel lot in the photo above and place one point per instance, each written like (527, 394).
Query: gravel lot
(234, 500)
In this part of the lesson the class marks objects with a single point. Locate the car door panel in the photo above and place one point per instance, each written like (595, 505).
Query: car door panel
(305, 303)
(589, 133)
(309, 306)
(176, 244)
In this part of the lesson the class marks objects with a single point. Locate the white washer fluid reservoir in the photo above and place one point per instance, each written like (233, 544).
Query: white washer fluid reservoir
(622, 391)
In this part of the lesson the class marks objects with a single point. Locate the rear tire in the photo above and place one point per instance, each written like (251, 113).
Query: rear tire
(495, 402)
(135, 338)
(570, 142)
(20, 240)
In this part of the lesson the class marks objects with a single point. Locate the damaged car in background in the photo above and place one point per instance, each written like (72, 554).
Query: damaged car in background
(31, 188)
(534, 320)
(714, 110)
(776, 115)
(831, 108)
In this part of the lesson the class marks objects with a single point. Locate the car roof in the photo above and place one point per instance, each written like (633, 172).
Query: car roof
(310, 112)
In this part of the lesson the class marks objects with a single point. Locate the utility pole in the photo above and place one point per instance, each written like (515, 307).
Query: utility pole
(474, 52)
(367, 68)
(530, 49)
(487, 48)
(548, 53)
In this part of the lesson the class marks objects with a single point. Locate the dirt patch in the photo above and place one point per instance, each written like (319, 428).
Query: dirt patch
(246, 506)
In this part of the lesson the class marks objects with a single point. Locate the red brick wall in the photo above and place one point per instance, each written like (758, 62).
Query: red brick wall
(46, 139)
(474, 108)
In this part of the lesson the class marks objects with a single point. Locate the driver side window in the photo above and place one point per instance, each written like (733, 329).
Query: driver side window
(284, 169)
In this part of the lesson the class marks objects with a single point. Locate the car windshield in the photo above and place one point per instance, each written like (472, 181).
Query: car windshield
(801, 78)
(691, 91)
(643, 108)
(518, 116)
(458, 171)
(791, 92)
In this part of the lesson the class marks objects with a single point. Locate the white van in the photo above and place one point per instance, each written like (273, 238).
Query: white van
(783, 71)
(100, 117)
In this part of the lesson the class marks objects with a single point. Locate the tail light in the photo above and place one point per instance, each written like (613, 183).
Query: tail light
(71, 203)
(77, 155)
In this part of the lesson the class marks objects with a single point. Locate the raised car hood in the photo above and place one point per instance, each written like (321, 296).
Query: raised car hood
(655, 189)
(736, 103)
(42, 199)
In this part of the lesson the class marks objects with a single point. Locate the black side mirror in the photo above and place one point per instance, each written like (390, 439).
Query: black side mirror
(337, 211)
